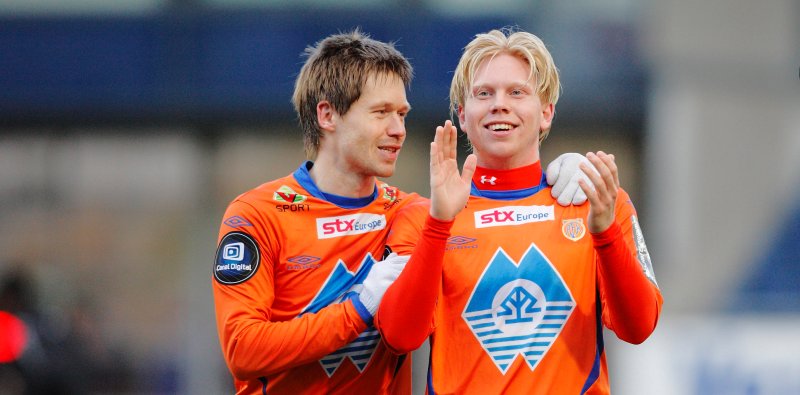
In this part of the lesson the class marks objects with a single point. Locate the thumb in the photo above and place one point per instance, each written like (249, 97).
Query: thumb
(470, 163)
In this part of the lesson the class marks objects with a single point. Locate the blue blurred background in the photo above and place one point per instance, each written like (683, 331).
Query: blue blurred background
(127, 126)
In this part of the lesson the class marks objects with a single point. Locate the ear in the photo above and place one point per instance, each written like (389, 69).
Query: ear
(548, 112)
(461, 117)
(326, 116)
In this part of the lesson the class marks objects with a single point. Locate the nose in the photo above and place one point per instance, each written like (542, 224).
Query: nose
(499, 104)
(397, 126)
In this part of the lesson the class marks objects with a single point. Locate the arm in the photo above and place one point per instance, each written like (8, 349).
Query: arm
(405, 316)
(631, 300)
(406, 313)
(255, 345)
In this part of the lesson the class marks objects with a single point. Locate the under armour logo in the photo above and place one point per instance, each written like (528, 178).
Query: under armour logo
(484, 180)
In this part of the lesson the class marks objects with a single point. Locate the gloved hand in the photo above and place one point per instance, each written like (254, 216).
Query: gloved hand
(563, 174)
(380, 277)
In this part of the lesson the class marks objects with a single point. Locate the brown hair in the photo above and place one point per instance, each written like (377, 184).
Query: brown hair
(336, 70)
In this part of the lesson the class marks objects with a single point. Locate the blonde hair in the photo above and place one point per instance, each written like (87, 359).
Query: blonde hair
(337, 69)
(522, 44)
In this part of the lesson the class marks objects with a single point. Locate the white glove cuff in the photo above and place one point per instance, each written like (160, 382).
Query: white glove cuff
(368, 301)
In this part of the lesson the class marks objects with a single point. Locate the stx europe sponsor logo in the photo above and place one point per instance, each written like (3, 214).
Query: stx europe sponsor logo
(349, 225)
(513, 215)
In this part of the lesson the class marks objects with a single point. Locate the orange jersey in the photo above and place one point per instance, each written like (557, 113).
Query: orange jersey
(522, 300)
(286, 256)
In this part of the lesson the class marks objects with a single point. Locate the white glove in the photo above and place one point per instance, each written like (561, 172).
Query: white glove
(563, 174)
(380, 277)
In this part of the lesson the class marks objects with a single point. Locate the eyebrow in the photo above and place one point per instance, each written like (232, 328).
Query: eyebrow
(383, 104)
(513, 84)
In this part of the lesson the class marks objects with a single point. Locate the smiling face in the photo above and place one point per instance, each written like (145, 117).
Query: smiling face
(367, 139)
(502, 114)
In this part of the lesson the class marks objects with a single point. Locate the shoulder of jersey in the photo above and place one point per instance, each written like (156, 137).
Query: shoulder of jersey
(392, 197)
(282, 190)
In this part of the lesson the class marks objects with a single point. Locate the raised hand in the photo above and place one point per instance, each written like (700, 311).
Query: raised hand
(449, 189)
(603, 198)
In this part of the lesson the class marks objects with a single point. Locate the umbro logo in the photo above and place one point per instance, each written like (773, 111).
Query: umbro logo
(460, 243)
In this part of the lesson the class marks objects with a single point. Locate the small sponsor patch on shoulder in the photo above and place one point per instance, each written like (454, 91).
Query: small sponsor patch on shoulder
(237, 259)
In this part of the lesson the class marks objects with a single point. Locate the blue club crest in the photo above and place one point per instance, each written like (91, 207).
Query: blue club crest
(518, 309)
(341, 281)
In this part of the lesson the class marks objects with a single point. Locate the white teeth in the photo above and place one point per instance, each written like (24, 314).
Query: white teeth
(500, 126)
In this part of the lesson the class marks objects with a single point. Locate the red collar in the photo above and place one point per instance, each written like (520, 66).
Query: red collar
(508, 180)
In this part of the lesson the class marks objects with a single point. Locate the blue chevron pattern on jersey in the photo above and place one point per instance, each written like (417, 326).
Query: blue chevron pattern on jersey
(341, 281)
(518, 310)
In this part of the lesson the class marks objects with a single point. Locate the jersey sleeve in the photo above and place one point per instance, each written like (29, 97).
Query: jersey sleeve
(405, 316)
(252, 343)
(629, 294)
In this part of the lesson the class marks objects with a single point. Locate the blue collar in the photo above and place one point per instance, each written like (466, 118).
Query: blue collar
(304, 178)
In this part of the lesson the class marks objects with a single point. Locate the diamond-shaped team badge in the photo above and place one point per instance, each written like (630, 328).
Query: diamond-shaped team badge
(518, 310)
(339, 283)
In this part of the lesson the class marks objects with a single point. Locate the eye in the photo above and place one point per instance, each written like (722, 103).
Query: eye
(482, 93)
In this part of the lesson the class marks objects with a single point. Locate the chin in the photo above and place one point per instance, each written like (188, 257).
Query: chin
(385, 172)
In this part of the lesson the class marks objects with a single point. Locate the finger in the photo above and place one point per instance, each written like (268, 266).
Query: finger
(590, 193)
(434, 163)
(607, 172)
(595, 177)
(606, 180)
(552, 172)
(445, 138)
(436, 151)
(612, 164)
(580, 197)
(565, 199)
(441, 144)
(565, 168)
(469, 168)
(435, 147)
(452, 139)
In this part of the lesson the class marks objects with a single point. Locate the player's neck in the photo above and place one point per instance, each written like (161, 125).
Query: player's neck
(509, 179)
(329, 178)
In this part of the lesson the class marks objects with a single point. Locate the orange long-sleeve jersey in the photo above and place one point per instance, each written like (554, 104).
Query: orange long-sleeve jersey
(287, 254)
(523, 290)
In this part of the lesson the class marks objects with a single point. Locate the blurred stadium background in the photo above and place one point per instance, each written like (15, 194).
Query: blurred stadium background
(127, 126)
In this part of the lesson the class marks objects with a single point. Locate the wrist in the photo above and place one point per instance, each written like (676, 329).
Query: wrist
(362, 310)
(438, 226)
(607, 236)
